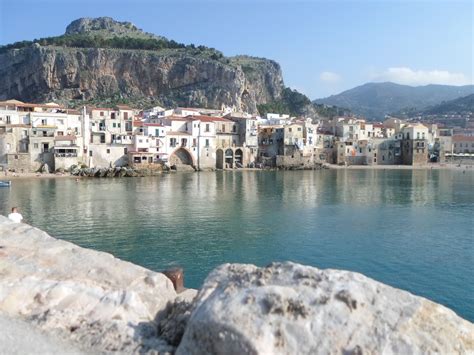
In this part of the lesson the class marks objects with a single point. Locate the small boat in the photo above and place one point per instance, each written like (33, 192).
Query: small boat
(4, 183)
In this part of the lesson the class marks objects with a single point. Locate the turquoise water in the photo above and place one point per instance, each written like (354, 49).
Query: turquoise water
(410, 229)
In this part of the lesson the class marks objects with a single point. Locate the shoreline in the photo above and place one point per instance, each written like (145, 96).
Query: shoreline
(435, 166)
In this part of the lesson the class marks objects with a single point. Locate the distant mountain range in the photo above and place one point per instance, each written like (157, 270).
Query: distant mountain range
(375, 100)
(461, 105)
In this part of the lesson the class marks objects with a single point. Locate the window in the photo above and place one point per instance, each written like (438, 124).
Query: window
(125, 150)
(184, 141)
(289, 129)
(194, 142)
(125, 115)
(101, 113)
(207, 142)
(417, 135)
(299, 129)
(172, 142)
(118, 125)
(112, 115)
(92, 124)
(234, 128)
(223, 128)
(35, 145)
(114, 125)
(207, 127)
(44, 122)
(108, 151)
(9, 120)
(102, 138)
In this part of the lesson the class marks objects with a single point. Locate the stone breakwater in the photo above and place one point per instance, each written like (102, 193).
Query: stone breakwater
(116, 172)
(93, 302)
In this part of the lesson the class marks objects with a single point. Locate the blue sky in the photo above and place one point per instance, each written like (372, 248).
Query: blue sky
(324, 47)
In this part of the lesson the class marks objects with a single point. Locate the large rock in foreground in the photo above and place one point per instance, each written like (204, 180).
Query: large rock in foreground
(87, 297)
(293, 309)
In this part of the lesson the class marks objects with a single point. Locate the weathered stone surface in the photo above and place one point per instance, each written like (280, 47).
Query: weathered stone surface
(19, 337)
(90, 297)
(293, 309)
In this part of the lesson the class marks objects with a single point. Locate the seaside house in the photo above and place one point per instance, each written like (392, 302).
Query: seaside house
(30, 135)
(111, 135)
(414, 144)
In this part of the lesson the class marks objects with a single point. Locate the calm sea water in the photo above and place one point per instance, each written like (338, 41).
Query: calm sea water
(410, 229)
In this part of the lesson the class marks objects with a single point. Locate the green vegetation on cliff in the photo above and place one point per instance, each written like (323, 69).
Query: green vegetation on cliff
(297, 104)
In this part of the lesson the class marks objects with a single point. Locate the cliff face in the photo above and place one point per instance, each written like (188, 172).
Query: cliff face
(170, 76)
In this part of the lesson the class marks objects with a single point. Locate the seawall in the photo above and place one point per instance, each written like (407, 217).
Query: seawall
(73, 299)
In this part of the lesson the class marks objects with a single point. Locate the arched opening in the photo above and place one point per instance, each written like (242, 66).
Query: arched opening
(219, 159)
(239, 158)
(229, 158)
(181, 157)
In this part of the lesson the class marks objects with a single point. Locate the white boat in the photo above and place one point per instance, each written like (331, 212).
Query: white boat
(5, 183)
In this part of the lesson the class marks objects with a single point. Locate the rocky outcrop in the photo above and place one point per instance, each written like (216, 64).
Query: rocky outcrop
(67, 299)
(171, 76)
(293, 309)
(94, 300)
(107, 25)
(118, 171)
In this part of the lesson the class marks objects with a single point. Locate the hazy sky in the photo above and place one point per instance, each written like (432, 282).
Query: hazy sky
(323, 47)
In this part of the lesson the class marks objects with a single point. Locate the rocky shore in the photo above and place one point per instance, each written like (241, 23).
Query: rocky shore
(76, 300)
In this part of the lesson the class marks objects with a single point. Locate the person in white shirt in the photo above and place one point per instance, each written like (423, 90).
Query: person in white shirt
(15, 216)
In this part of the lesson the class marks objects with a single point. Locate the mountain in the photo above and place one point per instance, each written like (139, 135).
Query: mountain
(457, 106)
(103, 61)
(375, 100)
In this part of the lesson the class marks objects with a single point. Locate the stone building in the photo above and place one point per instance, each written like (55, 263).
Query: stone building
(414, 144)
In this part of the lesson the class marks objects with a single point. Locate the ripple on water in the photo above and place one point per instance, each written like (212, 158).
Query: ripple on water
(409, 229)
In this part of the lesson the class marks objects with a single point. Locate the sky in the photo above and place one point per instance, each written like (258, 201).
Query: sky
(323, 47)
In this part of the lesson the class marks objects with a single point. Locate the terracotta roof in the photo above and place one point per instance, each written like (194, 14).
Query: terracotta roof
(462, 138)
(152, 124)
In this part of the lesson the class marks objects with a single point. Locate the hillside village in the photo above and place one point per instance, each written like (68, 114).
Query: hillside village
(48, 137)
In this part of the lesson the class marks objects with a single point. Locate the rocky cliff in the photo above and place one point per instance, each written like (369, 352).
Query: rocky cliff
(101, 60)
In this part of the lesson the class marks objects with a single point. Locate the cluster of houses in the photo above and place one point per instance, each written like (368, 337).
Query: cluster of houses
(50, 137)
